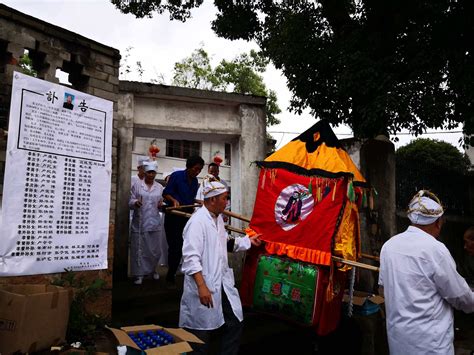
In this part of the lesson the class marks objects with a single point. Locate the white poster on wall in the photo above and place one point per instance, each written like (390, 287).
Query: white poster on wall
(56, 192)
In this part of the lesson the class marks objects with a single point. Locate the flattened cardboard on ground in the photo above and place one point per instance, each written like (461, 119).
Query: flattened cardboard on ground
(181, 339)
(361, 297)
(32, 317)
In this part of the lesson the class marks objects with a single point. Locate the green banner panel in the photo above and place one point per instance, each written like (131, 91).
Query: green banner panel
(285, 287)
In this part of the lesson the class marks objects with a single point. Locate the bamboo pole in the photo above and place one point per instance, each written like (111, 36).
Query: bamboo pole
(172, 208)
(335, 258)
(181, 213)
(227, 213)
(228, 227)
(234, 229)
(372, 257)
(236, 215)
(356, 263)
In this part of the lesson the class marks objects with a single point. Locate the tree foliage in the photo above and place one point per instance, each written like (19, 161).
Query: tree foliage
(241, 75)
(178, 9)
(379, 66)
(433, 165)
(26, 65)
(196, 72)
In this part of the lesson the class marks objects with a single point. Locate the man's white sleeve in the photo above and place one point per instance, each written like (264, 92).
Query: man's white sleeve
(452, 286)
(193, 247)
(242, 244)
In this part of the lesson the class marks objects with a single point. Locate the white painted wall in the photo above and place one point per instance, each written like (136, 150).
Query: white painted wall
(186, 116)
(213, 118)
(168, 164)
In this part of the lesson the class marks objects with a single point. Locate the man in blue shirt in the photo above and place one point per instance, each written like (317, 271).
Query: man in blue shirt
(181, 190)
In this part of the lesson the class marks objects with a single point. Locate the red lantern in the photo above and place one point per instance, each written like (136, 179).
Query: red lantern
(218, 160)
(153, 150)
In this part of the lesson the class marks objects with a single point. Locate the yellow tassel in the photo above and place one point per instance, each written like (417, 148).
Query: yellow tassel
(330, 287)
(334, 191)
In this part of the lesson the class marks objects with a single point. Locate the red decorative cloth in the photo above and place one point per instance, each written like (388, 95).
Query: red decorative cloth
(298, 215)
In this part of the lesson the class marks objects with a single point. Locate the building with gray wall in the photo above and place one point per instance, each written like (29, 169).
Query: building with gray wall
(230, 125)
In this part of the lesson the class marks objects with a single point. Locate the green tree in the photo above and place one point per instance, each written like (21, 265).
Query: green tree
(196, 72)
(241, 75)
(433, 165)
(379, 66)
(26, 65)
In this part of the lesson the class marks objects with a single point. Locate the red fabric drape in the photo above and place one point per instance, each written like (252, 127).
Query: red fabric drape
(298, 215)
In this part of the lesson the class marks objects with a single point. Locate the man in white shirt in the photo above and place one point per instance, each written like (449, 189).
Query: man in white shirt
(210, 299)
(420, 284)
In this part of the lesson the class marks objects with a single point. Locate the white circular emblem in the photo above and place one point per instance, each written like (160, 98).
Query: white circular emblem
(294, 204)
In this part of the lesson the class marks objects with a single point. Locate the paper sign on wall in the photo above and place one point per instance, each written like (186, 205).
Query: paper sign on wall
(56, 192)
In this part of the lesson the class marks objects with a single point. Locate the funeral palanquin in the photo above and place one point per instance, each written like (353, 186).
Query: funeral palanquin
(306, 210)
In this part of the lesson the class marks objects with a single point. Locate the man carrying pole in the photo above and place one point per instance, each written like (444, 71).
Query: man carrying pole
(210, 299)
(180, 190)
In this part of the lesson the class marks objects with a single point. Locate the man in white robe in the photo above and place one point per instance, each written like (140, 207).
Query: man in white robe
(141, 161)
(421, 285)
(210, 299)
(146, 197)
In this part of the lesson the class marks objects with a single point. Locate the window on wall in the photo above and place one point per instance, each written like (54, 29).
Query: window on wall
(182, 149)
(227, 154)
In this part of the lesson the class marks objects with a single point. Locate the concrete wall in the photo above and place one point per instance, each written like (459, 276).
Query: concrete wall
(469, 150)
(167, 164)
(162, 112)
(92, 67)
(375, 158)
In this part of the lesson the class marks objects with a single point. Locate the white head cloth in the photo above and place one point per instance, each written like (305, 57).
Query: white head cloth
(424, 208)
(141, 160)
(150, 166)
(212, 188)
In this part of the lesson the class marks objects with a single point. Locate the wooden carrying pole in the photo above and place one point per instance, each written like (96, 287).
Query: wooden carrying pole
(236, 215)
(183, 206)
(227, 213)
(334, 258)
(355, 263)
(229, 228)
(372, 257)
(181, 213)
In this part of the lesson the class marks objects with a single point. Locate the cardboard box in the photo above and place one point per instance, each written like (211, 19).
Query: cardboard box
(364, 303)
(32, 317)
(181, 339)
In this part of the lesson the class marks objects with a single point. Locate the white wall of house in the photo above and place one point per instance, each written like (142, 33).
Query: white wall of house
(148, 112)
(169, 164)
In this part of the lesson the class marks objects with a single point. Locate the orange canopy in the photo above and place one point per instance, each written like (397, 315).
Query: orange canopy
(317, 151)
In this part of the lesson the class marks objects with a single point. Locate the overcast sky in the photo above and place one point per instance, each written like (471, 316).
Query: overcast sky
(158, 43)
